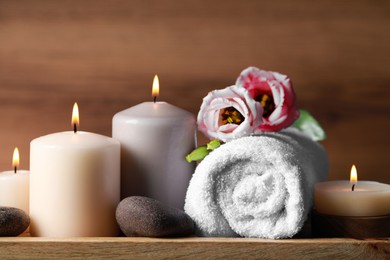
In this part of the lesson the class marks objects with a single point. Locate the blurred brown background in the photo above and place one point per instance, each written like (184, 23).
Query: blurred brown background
(104, 54)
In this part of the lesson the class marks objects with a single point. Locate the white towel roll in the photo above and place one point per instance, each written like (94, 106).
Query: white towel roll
(258, 186)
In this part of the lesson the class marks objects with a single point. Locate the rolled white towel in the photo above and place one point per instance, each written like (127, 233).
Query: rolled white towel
(257, 186)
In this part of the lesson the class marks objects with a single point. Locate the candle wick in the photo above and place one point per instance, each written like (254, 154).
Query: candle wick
(75, 128)
(15, 169)
(353, 187)
(154, 99)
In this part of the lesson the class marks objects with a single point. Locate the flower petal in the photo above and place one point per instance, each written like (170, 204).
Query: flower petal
(259, 83)
(209, 116)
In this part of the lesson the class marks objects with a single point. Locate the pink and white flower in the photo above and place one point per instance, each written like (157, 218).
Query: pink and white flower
(276, 95)
(229, 113)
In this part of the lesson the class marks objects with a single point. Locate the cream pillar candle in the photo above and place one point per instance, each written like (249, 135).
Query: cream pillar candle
(367, 198)
(155, 137)
(75, 185)
(14, 186)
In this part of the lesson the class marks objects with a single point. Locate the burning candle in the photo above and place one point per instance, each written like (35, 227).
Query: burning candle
(75, 184)
(14, 186)
(352, 198)
(358, 209)
(155, 137)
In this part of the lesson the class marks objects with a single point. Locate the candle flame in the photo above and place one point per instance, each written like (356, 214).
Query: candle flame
(75, 117)
(353, 177)
(15, 159)
(155, 88)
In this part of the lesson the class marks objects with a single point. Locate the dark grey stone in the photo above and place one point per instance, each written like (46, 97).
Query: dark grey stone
(13, 221)
(142, 216)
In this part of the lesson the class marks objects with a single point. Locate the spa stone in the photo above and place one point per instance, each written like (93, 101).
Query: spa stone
(13, 221)
(142, 216)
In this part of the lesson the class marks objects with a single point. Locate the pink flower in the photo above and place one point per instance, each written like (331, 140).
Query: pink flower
(229, 113)
(275, 94)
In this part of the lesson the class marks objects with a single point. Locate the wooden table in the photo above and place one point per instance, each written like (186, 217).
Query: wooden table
(193, 247)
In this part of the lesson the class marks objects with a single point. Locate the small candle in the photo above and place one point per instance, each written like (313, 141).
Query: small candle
(155, 137)
(75, 184)
(352, 198)
(357, 209)
(14, 186)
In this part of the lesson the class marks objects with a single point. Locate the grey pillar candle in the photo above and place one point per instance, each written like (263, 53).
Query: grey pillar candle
(155, 137)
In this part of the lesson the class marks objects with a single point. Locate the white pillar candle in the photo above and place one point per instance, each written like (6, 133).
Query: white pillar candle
(14, 186)
(74, 185)
(155, 137)
(367, 199)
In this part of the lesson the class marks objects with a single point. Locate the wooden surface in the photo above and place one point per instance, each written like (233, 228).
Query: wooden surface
(193, 248)
(104, 54)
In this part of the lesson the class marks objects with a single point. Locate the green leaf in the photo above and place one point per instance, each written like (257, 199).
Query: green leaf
(213, 144)
(308, 125)
(198, 154)
(202, 151)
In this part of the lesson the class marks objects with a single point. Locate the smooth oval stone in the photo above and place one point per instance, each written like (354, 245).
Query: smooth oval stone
(142, 216)
(13, 221)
